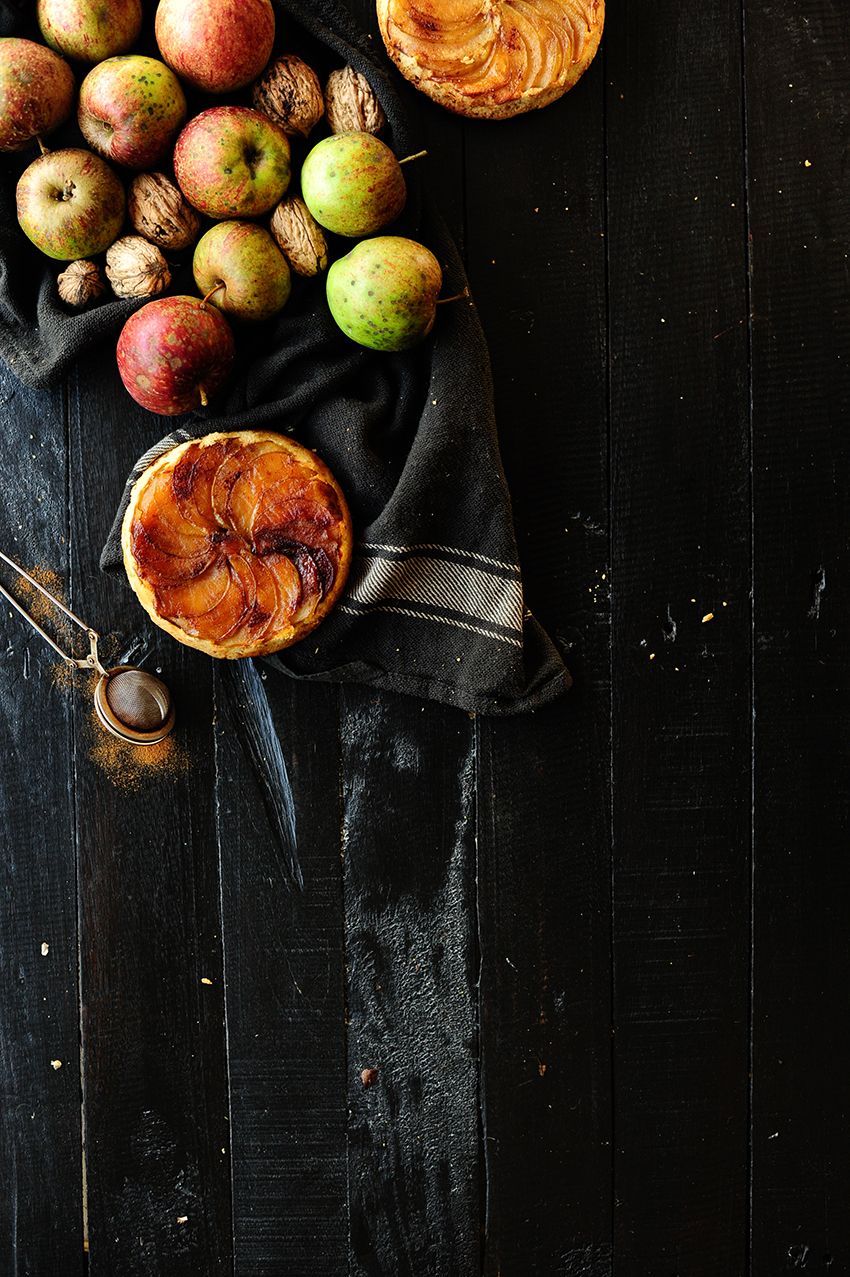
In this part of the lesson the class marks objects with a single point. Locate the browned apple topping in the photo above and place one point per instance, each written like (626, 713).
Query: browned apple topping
(238, 544)
(492, 58)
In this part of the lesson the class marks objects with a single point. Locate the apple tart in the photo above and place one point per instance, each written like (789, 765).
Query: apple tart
(492, 58)
(237, 544)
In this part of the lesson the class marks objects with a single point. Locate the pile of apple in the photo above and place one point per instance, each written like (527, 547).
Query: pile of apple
(232, 163)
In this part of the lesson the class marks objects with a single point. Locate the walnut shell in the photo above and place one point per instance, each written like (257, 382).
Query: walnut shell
(299, 236)
(350, 103)
(80, 283)
(289, 93)
(160, 212)
(136, 268)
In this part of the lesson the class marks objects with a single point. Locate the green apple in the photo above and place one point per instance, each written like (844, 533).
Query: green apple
(240, 269)
(70, 204)
(383, 293)
(353, 184)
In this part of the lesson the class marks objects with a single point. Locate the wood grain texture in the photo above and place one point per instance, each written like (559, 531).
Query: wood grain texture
(537, 272)
(681, 632)
(41, 1219)
(800, 224)
(408, 795)
(278, 814)
(155, 1096)
(354, 985)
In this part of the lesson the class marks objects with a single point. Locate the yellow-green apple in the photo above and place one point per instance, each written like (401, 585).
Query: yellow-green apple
(70, 204)
(239, 268)
(175, 353)
(37, 90)
(215, 45)
(231, 161)
(90, 30)
(131, 109)
(383, 293)
(353, 184)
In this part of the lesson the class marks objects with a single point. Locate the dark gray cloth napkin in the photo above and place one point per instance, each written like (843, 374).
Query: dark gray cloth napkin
(434, 603)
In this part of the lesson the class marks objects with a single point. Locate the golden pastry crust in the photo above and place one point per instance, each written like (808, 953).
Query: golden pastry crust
(492, 59)
(237, 544)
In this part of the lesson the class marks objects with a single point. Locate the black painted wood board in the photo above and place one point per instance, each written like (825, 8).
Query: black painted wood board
(800, 227)
(354, 985)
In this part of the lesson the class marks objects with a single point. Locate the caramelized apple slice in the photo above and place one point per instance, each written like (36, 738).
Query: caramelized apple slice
(229, 470)
(189, 599)
(295, 522)
(163, 534)
(288, 586)
(241, 565)
(226, 616)
(157, 565)
(193, 479)
(274, 469)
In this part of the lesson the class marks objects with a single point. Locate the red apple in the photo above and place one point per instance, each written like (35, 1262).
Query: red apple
(250, 274)
(89, 30)
(70, 204)
(231, 161)
(131, 109)
(215, 45)
(37, 90)
(175, 353)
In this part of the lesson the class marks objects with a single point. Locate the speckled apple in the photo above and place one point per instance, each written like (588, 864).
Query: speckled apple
(90, 30)
(131, 109)
(383, 294)
(231, 161)
(215, 45)
(353, 184)
(175, 353)
(37, 90)
(245, 267)
(70, 203)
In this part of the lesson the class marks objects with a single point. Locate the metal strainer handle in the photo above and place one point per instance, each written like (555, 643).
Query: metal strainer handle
(130, 703)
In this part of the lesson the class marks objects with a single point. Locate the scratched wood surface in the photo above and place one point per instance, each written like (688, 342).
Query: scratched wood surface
(341, 982)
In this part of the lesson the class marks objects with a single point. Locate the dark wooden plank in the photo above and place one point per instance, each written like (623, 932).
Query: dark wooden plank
(535, 251)
(41, 1217)
(800, 226)
(155, 1093)
(676, 239)
(277, 764)
(409, 777)
(408, 845)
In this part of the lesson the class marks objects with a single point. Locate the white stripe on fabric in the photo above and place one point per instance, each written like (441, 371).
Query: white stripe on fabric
(443, 549)
(445, 620)
(439, 583)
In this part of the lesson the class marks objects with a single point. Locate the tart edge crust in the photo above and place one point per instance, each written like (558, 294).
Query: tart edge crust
(292, 633)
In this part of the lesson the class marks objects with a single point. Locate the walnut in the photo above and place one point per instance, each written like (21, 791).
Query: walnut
(136, 268)
(289, 93)
(160, 212)
(80, 283)
(299, 236)
(351, 105)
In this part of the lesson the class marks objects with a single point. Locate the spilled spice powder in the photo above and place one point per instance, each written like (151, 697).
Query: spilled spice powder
(129, 767)
(135, 767)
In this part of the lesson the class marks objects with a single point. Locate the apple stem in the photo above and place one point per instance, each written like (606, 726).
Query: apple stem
(456, 297)
(220, 284)
(202, 392)
(417, 156)
(44, 149)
